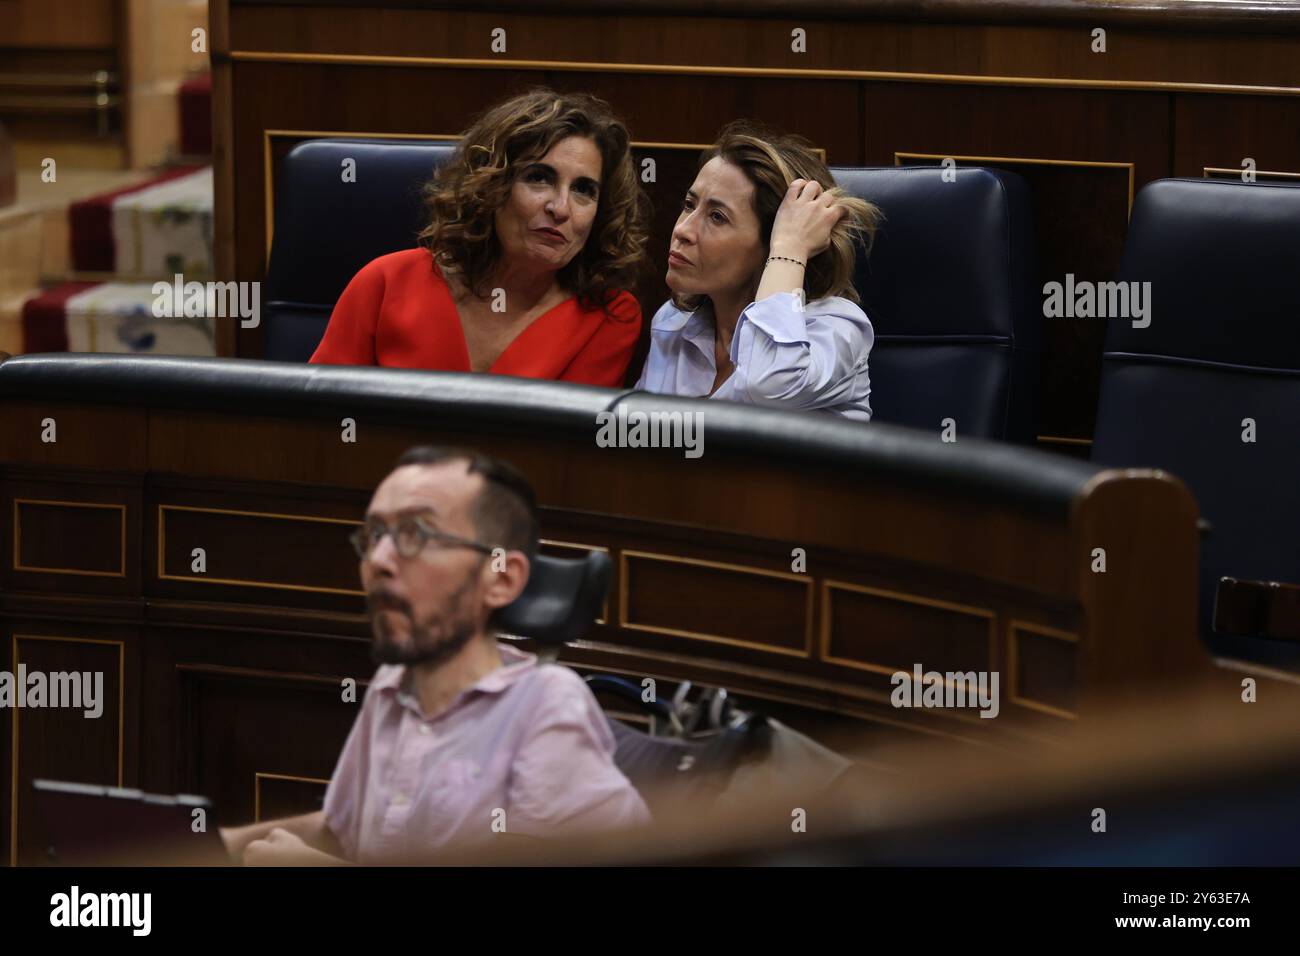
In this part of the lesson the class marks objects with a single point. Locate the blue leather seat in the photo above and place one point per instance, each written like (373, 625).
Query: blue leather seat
(327, 229)
(950, 289)
(1223, 345)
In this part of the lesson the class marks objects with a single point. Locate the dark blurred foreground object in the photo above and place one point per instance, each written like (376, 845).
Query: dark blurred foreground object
(1268, 609)
(1185, 781)
(88, 825)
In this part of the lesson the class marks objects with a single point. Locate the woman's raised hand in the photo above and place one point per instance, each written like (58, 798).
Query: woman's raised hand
(804, 221)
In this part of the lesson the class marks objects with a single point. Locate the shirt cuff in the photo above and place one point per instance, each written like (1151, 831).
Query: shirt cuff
(780, 316)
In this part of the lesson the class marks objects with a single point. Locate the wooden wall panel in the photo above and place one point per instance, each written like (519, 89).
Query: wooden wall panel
(101, 438)
(60, 24)
(241, 728)
(1221, 131)
(230, 699)
(69, 537)
(888, 630)
(1043, 668)
(63, 743)
(276, 550)
(288, 550)
(676, 596)
(83, 528)
(757, 39)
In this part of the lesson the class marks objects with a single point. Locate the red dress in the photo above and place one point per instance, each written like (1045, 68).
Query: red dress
(398, 311)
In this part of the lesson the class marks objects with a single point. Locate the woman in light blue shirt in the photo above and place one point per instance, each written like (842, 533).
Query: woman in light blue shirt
(761, 269)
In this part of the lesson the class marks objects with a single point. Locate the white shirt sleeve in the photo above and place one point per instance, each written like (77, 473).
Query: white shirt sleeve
(807, 357)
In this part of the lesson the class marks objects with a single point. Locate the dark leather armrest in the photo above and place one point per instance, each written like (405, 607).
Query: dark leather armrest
(1257, 609)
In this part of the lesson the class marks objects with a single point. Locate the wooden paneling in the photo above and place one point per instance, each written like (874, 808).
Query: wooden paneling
(69, 537)
(768, 611)
(102, 438)
(277, 795)
(1043, 671)
(754, 39)
(288, 550)
(229, 698)
(82, 527)
(887, 630)
(283, 552)
(60, 24)
(64, 743)
(1221, 131)
(242, 727)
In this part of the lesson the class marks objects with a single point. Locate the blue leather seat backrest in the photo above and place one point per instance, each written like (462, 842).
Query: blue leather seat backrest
(326, 229)
(1223, 345)
(950, 291)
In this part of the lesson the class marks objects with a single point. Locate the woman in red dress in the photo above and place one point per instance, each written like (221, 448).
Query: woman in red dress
(537, 229)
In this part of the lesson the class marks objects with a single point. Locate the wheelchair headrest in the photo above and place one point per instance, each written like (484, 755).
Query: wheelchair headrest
(562, 599)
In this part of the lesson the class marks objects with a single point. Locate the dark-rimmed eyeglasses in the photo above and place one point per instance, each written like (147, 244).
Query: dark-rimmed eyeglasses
(411, 535)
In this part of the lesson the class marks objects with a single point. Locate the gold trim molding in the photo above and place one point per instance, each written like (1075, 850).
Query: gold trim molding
(259, 776)
(902, 596)
(18, 535)
(804, 579)
(1031, 161)
(895, 76)
(200, 579)
(1235, 173)
(1013, 664)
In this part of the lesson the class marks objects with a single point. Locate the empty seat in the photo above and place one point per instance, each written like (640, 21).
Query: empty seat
(326, 228)
(1220, 358)
(950, 291)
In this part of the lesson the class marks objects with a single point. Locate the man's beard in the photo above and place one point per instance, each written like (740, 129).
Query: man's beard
(455, 629)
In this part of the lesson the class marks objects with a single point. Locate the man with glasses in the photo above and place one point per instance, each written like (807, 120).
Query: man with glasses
(459, 737)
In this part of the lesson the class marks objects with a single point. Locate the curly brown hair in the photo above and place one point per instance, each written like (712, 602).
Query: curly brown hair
(771, 160)
(464, 195)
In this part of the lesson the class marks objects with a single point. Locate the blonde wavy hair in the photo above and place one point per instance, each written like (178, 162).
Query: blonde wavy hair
(771, 161)
(463, 196)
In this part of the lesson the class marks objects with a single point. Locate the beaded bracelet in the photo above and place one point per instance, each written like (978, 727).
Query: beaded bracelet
(788, 259)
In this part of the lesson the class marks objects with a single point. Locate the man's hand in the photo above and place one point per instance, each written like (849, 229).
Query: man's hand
(282, 848)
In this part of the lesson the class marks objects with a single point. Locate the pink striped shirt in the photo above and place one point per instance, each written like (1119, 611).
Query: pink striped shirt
(525, 751)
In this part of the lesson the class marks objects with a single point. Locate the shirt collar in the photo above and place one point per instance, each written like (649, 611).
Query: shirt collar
(695, 327)
(514, 665)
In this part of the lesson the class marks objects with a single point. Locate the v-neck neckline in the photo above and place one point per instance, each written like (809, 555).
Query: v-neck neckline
(464, 339)
(709, 351)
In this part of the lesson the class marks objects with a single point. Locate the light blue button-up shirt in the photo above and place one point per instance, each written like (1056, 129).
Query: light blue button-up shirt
(813, 357)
